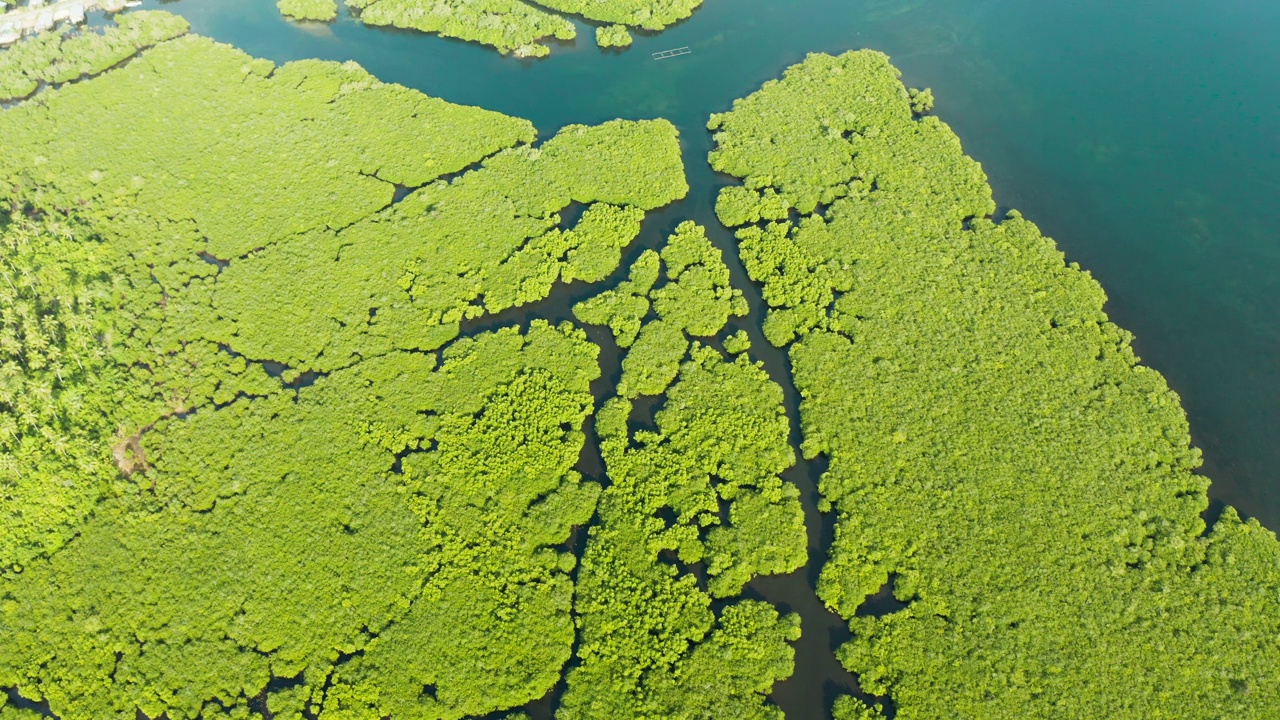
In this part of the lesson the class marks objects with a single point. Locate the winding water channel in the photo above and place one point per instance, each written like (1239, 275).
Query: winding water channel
(1141, 135)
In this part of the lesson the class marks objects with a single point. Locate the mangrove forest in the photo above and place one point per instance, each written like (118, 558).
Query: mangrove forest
(324, 398)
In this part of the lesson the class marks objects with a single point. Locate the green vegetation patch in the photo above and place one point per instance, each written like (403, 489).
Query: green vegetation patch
(516, 26)
(57, 58)
(652, 15)
(309, 157)
(613, 36)
(737, 343)
(492, 239)
(255, 155)
(322, 10)
(509, 26)
(246, 459)
(696, 509)
(625, 307)
(282, 537)
(56, 378)
(996, 451)
(697, 299)
(851, 708)
(258, 152)
(9, 712)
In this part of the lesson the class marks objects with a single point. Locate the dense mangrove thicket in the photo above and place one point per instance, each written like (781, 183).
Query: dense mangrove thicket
(250, 469)
(261, 155)
(309, 157)
(616, 36)
(322, 10)
(696, 299)
(398, 512)
(996, 451)
(54, 58)
(509, 26)
(487, 241)
(519, 27)
(695, 510)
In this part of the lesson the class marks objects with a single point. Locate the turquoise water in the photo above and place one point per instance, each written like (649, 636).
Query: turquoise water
(1144, 136)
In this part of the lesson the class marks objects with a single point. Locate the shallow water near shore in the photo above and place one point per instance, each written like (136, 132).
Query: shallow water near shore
(1141, 136)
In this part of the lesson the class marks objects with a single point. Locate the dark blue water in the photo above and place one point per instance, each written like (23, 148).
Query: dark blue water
(1143, 136)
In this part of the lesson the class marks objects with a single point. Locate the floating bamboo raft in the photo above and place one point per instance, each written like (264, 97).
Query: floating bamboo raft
(671, 53)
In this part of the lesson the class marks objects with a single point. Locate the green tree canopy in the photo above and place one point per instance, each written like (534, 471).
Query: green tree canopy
(995, 448)
(323, 10)
(246, 457)
(703, 490)
(304, 541)
(56, 382)
(54, 58)
(613, 36)
(519, 27)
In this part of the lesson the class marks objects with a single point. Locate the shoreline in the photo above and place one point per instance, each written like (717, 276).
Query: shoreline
(38, 17)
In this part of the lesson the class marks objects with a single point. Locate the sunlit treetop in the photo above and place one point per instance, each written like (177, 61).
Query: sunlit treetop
(615, 36)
